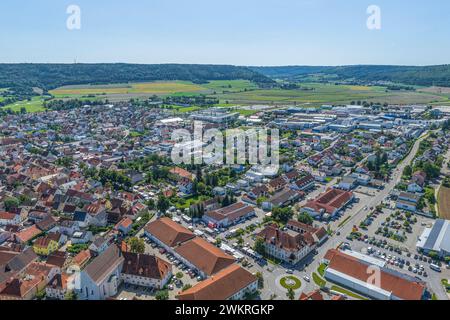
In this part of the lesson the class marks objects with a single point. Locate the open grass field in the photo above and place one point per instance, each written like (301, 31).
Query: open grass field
(35, 105)
(444, 203)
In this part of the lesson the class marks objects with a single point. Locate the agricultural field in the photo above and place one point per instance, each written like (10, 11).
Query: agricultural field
(329, 94)
(128, 90)
(444, 203)
(220, 86)
(35, 105)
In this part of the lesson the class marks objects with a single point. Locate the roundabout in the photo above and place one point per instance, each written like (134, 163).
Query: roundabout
(290, 282)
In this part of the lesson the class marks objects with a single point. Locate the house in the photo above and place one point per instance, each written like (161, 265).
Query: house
(7, 219)
(46, 245)
(304, 183)
(277, 184)
(58, 287)
(27, 234)
(258, 192)
(362, 179)
(349, 270)
(167, 233)
(414, 187)
(101, 277)
(319, 235)
(99, 245)
(347, 183)
(145, 270)
(178, 174)
(97, 214)
(407, 201)
(287, 245)
(311, 296)
(283, 198)
(328, 203)
(203, 257)
(231, 283)
(230, 215)
(124, 226)
(79, 237)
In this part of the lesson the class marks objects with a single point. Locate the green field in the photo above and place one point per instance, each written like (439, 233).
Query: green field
(35, 105)
(230, 85)
(241, 93)
(329, 94)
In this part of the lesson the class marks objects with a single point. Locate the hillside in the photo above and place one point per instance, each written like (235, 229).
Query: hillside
(410, 75)
(50, 76)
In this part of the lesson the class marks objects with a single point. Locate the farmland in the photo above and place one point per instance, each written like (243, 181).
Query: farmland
(128, 90)
(242, 93)
(444, 203)
(329, 94)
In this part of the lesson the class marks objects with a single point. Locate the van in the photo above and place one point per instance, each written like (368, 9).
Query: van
(435, 267)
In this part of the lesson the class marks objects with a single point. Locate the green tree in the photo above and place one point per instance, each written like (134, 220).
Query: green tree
(70, 295)
(259, 246)
(305, 218)
(260, 278)
(136, 245)
(290, 294)
(163, 204)
(162, 295)
(11, 203)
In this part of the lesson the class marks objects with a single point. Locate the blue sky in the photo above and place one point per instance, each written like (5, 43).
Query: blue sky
(241, 32)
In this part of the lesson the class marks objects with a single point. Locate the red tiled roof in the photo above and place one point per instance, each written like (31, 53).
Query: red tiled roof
(221, 286)
(390, 282)
(169, 232)
(205, 256)
(330, 201)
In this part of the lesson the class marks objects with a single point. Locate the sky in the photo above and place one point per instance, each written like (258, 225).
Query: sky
(239, 32)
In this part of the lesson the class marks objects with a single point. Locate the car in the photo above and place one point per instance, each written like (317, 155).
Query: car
(170, 286)
(307, 279)
(290, 271)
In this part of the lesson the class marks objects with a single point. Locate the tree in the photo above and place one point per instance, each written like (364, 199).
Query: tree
(179, 275)
(163, 204)
(259, 246)
(290, 294)
(137, 245)
(407, 172)
(260, 278)
(162, 295)
(70, 295)
(11, 203)
(305, 218)
(282, 214)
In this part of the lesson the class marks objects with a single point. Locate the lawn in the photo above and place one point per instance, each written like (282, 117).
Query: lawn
(318, 280)
(347, 293)
(321, 269)
(294, 286)
(444, 203)
(35, 105)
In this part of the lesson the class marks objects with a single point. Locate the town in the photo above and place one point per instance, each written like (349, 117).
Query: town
(93, 207)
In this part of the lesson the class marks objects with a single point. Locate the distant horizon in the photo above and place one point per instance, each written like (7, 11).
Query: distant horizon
(230, 64)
